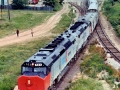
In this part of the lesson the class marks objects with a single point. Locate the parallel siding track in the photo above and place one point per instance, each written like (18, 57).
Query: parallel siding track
(80, 9)
(106, 42)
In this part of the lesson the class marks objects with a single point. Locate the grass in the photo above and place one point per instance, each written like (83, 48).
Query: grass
(22, 20)
(85, 84)
(94, 64)
(13, 56)
(113, 18)
(64, 23)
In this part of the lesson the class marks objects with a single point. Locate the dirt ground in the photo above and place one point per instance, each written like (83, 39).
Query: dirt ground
(39, 31)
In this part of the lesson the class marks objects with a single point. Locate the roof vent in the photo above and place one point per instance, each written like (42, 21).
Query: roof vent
(83, 19)
(44, 57)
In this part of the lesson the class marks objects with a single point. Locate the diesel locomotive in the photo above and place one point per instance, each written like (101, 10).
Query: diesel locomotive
(48, 65)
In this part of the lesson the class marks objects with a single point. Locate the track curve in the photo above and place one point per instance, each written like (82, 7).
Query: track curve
(106, 42)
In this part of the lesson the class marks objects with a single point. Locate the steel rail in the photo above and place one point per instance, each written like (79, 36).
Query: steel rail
(80, 9)
(106, 42)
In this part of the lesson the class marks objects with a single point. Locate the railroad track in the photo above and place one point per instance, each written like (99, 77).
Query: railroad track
(106, 42)
(80, 9)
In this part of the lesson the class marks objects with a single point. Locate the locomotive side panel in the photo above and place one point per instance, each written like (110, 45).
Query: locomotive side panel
(63, 61)
(81, 41)
(95, 20)
(87, 33)
(71, 52)
(55, 70)
(74, 45)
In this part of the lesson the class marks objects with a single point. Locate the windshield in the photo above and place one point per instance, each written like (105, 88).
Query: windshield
(34, 69)
(40, 69)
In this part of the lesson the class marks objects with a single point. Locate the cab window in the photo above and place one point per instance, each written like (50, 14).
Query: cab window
(40, 69)
(26, 69)
(35, 69)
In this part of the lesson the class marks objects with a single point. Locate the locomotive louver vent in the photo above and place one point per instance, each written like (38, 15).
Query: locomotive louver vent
(68, 44)
(41, 55)
(68, 36)
(55, 42)
(44, 57)
(76, 25)
(53, 45)
(47, 49)
(54, 56)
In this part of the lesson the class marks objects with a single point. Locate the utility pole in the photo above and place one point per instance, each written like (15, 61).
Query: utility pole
(8, 10)
(1, 9)
(1, 12)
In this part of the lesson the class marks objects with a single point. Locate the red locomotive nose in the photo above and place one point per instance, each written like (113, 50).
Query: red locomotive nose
(33, 82)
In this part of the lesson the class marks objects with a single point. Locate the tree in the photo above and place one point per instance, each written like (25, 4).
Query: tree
(19, 4)
(61, 1)
(52, 3)
(49, 3)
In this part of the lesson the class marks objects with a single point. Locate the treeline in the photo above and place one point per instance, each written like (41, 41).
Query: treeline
(21, 4)
(56, 4)
(113, 1)
(111, 9)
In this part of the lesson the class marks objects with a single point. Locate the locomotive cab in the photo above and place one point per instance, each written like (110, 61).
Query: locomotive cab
(32, 68)
(34, 76)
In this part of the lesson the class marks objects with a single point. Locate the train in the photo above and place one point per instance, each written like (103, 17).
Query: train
(50, 63)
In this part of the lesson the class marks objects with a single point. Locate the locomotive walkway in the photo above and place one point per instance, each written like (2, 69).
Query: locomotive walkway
(39, 31)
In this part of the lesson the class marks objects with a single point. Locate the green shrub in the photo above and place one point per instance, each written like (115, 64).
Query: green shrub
(64, 23)
(85, 84)
(109, 70)
(57, 7)
(94, 62)
(119, 85)
(93, 65)
(113, 18)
